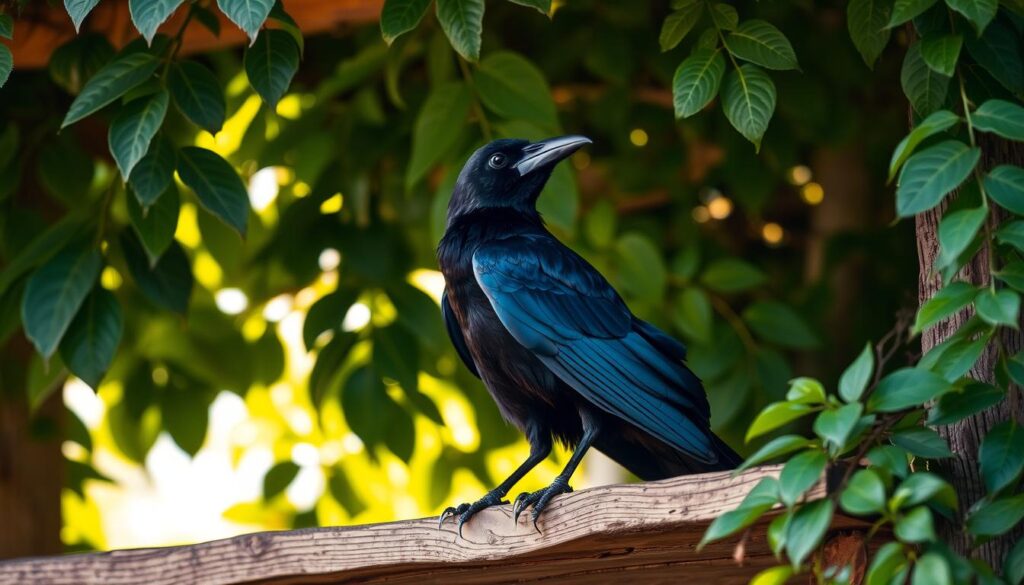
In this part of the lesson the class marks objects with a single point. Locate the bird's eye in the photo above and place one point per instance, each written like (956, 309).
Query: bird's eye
(498, 161)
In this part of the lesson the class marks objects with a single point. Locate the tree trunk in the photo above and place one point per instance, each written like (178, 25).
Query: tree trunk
(965, 436)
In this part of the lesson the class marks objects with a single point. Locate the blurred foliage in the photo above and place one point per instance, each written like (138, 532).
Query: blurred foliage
(275, 234)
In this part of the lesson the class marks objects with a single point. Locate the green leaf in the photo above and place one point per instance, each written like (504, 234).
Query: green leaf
(1013, 569)
(696, 81)
(761, 43)
(216, 184)
(1012, 233)
(343, 492)
(932, 569)
(999, 308)
(514, 88)
(679, 23)
(169, 282)
(542, 6)
(921, 487)
(777, 323)
(54, 294)
(418, 313)
(941, 53)
(6, 26)
(855, 378)
(329, 361)
(278, 478)
(396, 355)
(905, 388)
(270, 64)
(998, 52)
(186, 417)
(89, 345)
(925, 88)
(978, 12)
(931, 174)
(835, 426)
(198, 95)
(6, 64)
(249, 15)
(939, 121)
(922, 443)
(156, 226)
(462, 22)
(957, 231)
(866, 20)
(599, 224)
(887, 564)
(731, 275)
(78, 10)
(326, 315)
(724, 16)
(748, 98)
(642, 270)
(1012, 274)
(758, 501)
(133, 129)
(153, 174)
(115, 79)
(956, 406)
(1002, 455)
(997, 517)
(865, 494)
(773, 576)
(437, 128)
(799, 474)
(401, 16)
(777, 447)
(774, 416)
(904, 10)
(806, 391)
(148, 15)
(692, 314)
(807, 529)
(915, 526)
(1000, 117)
(950, 299)
(1005, 184)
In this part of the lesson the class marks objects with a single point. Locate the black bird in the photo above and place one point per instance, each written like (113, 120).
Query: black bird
(556, 346)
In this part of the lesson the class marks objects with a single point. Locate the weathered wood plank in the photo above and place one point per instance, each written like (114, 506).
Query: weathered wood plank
(598, 535)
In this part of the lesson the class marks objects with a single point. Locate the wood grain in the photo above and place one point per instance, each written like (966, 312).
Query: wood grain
(598, 535)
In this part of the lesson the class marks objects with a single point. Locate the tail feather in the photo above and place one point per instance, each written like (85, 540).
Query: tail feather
(650, 459)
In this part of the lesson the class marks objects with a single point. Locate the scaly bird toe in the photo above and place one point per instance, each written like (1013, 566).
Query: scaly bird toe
(467, 511)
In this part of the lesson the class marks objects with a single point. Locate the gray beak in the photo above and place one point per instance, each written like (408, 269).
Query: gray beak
(548, 152)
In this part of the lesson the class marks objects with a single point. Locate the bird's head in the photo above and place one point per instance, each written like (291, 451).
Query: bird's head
(509, 173)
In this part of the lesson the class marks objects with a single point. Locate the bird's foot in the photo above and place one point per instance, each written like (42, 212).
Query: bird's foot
(467, 511)
(539, 500)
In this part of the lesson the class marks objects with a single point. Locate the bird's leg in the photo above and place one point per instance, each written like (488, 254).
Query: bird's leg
(540, 448)
(540, 498)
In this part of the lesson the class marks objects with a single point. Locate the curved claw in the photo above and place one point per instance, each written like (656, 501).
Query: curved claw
(519, 506)
(448, 513)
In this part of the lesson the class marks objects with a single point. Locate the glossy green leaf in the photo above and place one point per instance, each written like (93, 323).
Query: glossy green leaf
(800, 473)
(915, 526)
(950, 299)
(216, 184)
(905, 388)
(133, 129)
(931, 174)
(692, 314)
(156, 226)
(153, 174)
(401, 16)
(835, 426)
(1013, 568)
(186, 417)
(198, 95)
(113, 81)
(642, 270)
(937, 122)
(89, 345)
(249, 15)
(1005, 185)
(925, 88)
(748, 98)
(997, 517)
(931, 569)
(865, 494)
(271, 63)
(777, 447)
(941, 53)
(731, 275)
(854, 379)
(54, 294)
(1001, 307)
(679, 23)
(887, 564)
(760, 43)
(866, 21)
(956, 406)
(807, 529)
(696, 81)
(956, 231)
(1000, 117)
(774, 416)
(169, 282)
(922, 443)
(148, 15)
(1012, 233)
(436, 128)
(724, 16)
(773, 576)
(462, 22)
(78, 10)
(921, 487)
(278, 478)
(806, 391)
(6, 26)
(777, 323)
(759, 500)
(978, 12)
(514, 88)
(904, 10)
(1001, 455)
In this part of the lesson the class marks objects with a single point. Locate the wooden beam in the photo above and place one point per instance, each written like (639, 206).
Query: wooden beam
(600, 535)
(38, 33)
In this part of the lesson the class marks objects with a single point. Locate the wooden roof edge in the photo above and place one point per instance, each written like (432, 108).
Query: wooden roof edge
(654, 520)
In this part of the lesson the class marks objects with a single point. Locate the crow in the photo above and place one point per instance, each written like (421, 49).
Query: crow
(555, 345)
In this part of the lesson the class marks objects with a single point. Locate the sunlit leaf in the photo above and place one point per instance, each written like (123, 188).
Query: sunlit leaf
(836, 425)
(921, 487)
(939, 121)
(774, 416)
(78, 10)
(156, 226)
(865, 494)
(679, 23)
(168, 283)
(854, 379)
(437, 128)
(807, 529)
(956, 231)
(153, 174)
(887, 564)
(777, 447)
(799, 474)
(514, 88)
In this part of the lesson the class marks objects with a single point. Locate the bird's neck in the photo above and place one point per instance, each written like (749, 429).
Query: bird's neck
(468, 231)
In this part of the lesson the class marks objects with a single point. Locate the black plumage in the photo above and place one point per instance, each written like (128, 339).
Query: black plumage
(556, 346)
